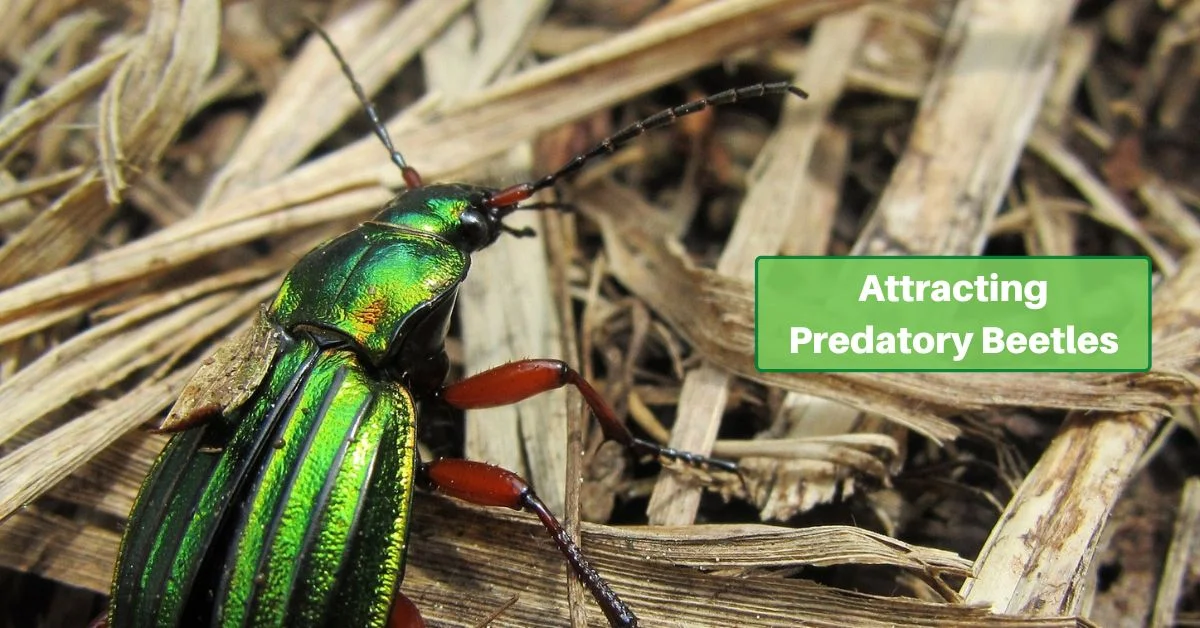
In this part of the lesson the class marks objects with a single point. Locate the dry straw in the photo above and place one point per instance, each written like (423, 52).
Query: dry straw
(135, 215)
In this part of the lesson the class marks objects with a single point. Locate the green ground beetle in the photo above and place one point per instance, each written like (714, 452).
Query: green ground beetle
(284, 498)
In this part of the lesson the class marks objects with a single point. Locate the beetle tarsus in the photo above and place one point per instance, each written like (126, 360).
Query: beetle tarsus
(669, 454)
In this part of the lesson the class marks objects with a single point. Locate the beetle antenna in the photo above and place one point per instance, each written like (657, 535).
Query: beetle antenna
(411, 178)
(514, 194)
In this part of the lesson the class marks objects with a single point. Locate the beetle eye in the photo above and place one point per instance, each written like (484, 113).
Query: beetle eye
(474, 231)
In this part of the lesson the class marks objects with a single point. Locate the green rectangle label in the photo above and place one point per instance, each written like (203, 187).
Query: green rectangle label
(952, 313)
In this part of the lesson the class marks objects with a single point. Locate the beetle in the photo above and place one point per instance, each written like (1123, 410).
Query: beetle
(284, 496)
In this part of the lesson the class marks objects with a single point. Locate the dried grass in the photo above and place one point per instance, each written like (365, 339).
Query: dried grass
(148, 205)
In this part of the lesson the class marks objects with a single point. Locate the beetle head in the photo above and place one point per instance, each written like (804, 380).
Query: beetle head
(458, 213)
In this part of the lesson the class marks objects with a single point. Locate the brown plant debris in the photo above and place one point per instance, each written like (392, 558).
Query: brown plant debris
(163, 162)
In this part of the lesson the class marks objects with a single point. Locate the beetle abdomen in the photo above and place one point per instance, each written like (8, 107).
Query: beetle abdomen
(258, 520)
(340, 474)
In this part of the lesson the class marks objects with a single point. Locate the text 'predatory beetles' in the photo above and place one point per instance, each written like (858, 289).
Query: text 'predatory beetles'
(285, 498)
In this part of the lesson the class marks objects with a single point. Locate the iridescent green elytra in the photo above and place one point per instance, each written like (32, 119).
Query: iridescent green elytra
(291, 509)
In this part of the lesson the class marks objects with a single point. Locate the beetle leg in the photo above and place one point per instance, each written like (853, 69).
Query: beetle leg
(516, 381)
(99, 622)
(405, 614)
(488, 485)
